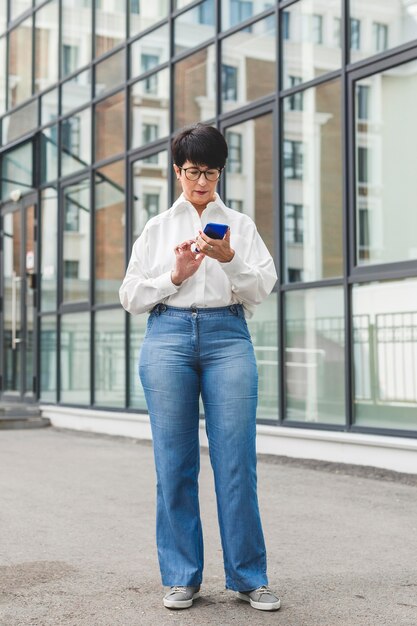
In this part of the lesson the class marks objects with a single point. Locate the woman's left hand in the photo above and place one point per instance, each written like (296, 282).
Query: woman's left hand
(218, 249)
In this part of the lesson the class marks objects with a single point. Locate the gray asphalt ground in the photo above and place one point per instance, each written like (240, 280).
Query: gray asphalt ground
(77, 539)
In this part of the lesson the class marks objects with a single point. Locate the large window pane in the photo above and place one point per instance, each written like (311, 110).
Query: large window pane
(76, 35)
(194, 87)
(76, 142)
(137, 332)
(17, 8)
(48, 342)
(109, 358)
(49, 242)
(250, 173)
(386, 182)
(381, 26)
(263, 328)
(49, 106)
(110, 126)
(20, 63)
(3, 16)
(20, 122)
(49, 154)
(311, 47)
(110, 25)
(313, 185)
(236, 11)
(385, 354)
(150, 189)
(149, 109)
(110, 73)
(46, 46)
(314, 355)
(3, 73)
(109, 231)
(17, 170)
(194, 26)
(75, 358)
(76, 92)
(248, 65)
(76, 246)
(149, 51)
(144, 13)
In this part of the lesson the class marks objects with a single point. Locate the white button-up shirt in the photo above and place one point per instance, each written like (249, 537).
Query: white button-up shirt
(247, 279)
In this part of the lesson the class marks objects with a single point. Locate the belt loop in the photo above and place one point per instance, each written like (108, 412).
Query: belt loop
(233, 310)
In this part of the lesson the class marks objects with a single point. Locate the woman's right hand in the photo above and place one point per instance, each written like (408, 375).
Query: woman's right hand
(187, 262)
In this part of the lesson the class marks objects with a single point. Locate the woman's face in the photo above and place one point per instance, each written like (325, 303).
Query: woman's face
(199, 192)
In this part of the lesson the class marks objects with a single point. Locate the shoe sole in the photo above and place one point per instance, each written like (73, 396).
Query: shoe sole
(180, 604)
(262, 606)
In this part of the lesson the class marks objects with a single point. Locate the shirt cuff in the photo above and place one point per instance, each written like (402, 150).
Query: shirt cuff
(234, 267)
(165, 285)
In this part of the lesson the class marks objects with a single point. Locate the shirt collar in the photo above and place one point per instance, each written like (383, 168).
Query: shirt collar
(181, 203)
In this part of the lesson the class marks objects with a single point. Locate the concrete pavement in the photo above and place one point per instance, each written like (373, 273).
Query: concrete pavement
(77, 539)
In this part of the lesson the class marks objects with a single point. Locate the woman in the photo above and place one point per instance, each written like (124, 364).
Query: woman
(198, 291)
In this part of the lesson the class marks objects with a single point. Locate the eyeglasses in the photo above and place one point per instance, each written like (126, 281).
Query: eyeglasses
(193, 173)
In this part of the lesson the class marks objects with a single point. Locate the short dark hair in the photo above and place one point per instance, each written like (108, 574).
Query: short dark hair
(200, 144)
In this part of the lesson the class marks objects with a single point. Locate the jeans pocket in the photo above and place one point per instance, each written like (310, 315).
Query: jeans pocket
(149, 323)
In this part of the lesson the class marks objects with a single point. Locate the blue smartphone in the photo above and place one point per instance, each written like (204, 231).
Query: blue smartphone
(214, 231)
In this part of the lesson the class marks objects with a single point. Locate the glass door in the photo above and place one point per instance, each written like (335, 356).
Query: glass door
(18, 287)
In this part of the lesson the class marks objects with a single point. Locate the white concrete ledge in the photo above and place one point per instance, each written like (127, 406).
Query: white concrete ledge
(394, 453)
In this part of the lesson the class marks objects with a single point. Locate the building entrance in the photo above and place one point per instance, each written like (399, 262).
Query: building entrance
(18, 288)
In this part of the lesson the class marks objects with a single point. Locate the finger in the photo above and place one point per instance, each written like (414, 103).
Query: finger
(227, 235)
(204, 237)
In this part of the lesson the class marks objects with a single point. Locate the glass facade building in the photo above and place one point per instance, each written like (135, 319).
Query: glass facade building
(317, 102)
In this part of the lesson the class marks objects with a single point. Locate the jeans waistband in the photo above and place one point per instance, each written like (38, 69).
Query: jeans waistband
(232, 309)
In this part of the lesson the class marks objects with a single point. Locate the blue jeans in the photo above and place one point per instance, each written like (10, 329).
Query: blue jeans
(186, 352)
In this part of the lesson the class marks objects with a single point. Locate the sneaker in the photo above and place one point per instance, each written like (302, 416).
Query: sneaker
(261, 598)
(181, 597)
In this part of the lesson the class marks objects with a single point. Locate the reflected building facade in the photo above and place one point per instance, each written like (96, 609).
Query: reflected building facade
(316, 100)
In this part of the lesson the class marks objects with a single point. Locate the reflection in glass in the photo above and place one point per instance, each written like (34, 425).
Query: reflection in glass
(20, 122)
(76, 92)
(49, 154)
(12, 288)
(263, 328)
(48, 343)
(309, 49)
(194, 26)
(17, 170)
(49, 106)
(314, 355)
(386, 182)
(248, 65)
(313, 185)
(109, 231)
(144, 14)
(249, 173)
(20, 63)
(110, 26)
(385, 354)
(194, 88)
(236, 11)
(76, 142)
(110, 72)
(149, 109)
(137, 332)
(150, 189)
(29, 300)
(49, 239)
(110, 126)
(149, 51)
(76, 244)
(382, 26)
(109, 358)
(3, 73)
(75, 358)
(76, 35)
(17, 8)
(46, 46)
